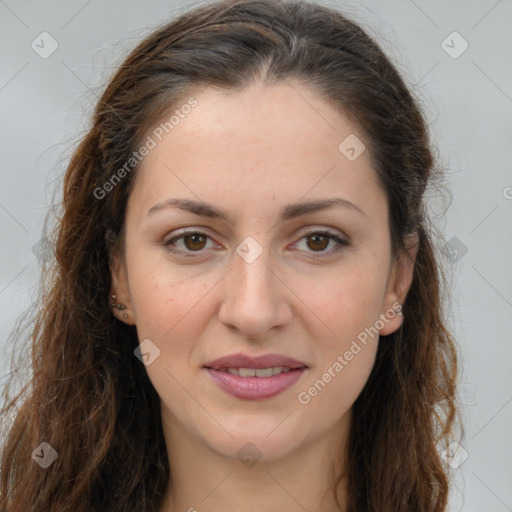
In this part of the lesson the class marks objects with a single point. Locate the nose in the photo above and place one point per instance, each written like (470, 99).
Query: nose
(255, 298)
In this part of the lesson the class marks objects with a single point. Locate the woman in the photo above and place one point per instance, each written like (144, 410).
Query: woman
(245, 311)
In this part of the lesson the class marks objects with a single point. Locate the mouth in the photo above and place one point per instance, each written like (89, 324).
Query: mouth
(255, 378)
(257, 372)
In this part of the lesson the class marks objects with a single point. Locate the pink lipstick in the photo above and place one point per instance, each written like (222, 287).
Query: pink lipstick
(255, 378)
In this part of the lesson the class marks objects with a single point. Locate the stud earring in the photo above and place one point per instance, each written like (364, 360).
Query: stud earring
(118, 305)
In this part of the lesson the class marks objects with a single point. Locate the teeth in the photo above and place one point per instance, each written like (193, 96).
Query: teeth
(256, 372)
(264, 372)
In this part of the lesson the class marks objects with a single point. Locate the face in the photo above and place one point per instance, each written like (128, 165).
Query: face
(242, 266)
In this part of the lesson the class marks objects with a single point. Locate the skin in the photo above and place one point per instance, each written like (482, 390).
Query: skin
(252, 152)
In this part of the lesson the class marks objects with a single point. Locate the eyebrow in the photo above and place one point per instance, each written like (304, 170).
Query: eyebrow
(288, 212)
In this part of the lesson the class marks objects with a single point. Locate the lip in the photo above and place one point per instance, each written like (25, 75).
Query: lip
(255, 388)
(264, 361)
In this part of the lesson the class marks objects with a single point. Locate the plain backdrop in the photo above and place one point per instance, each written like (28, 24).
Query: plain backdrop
(456, 55)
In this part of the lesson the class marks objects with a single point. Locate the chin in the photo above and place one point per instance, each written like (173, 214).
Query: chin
(249, 450)
(269, 440)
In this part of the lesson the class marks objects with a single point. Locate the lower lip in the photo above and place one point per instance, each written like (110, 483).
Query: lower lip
(255, 388)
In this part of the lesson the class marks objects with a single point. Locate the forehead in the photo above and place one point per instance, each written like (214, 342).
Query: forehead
(263, 142)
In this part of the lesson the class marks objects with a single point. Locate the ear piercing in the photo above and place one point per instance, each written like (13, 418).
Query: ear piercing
(118, 305)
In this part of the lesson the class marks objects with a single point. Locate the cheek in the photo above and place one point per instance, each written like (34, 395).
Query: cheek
(330, 393)
(169, 311)
(345, 354)
(348, 304)
(164, 296)
(344, 301)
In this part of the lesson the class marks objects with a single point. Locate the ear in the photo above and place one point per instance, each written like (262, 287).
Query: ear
(399, 282)
(120, 288)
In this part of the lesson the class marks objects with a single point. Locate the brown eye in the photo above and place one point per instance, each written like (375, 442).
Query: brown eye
(318, 242)
(188, 243)
(195, 241)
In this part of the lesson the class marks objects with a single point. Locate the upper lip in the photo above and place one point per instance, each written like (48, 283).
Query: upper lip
(264, 361)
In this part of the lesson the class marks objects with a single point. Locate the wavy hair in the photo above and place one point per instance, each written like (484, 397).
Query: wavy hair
(91, 399)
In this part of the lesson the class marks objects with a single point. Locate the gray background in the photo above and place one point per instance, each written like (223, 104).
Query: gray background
(45, 103)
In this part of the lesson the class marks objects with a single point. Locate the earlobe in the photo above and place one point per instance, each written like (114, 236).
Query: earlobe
(121, 311)
(120, 303)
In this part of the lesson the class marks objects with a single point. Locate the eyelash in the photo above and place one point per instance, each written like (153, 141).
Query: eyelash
(342, 243)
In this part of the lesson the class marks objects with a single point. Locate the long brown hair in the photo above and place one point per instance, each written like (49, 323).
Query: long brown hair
(89, 397)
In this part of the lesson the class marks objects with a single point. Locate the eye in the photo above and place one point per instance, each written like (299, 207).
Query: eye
(319, 240)
(192, 241)
(316, 242)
